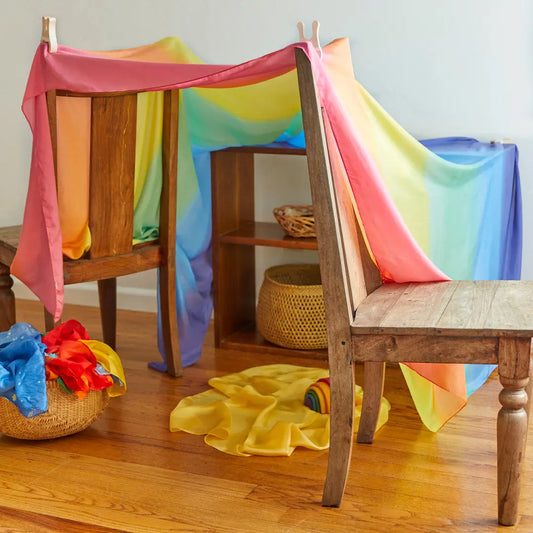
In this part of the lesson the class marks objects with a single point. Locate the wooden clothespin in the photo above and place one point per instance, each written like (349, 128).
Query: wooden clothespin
(314, 39)
(49, 34)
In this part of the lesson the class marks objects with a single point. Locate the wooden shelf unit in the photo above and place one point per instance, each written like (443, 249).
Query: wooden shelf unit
(235, 235)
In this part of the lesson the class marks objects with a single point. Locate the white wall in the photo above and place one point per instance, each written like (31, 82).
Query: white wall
(440, 67)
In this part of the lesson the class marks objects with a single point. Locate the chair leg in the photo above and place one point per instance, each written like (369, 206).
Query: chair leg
(169, 319)
(513, 371)
(374, 376)
(342, 388)
(107, 295)
(7, 299)
(49, 322)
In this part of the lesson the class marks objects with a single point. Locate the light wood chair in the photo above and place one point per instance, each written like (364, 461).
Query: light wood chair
(111, 184)
(441, 322)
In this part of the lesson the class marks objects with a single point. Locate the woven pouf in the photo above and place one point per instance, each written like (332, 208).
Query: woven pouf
(290, 307)
(66, 414)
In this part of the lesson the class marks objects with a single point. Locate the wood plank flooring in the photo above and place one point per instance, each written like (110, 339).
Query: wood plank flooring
(128, 473)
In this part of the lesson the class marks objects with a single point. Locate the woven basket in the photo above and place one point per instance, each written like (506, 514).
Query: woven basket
(290, 308)
(66, 415)
(296, 220)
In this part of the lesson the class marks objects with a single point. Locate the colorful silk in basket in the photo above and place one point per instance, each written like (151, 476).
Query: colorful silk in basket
(22, 373)
(65, 354)
(427, 216)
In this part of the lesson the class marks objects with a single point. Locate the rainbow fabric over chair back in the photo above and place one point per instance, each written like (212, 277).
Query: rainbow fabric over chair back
(446, 208)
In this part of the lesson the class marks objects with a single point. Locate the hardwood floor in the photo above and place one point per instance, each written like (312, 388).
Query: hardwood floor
(128, 473)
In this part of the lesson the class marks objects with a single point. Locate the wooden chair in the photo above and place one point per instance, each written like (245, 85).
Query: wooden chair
(441, 322)
(112, 167)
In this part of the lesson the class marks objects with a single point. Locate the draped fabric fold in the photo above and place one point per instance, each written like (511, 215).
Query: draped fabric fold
(261, 411)
(451, 209)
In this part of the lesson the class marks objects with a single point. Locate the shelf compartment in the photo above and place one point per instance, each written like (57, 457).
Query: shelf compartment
(249, 339)
(235, 233)
(267, 234)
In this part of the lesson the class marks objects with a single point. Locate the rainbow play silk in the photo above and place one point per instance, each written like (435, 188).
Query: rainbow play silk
(448, 211)
(260, 411)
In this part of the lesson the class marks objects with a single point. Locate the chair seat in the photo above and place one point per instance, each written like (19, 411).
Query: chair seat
(144, 256)
(448, 308)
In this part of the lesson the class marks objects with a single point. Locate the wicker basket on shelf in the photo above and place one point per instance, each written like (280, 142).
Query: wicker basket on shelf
(66, 414)
(296, 220)
(290, 308)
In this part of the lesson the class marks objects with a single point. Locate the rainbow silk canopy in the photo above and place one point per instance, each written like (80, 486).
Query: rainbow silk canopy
(448, 208)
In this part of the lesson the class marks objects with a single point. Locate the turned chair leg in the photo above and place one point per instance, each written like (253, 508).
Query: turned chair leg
(7, 299)
(513, 371)
(342, 388)
(374, 378)
(107, 295)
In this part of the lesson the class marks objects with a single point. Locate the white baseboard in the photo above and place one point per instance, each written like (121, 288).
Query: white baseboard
(131, 298)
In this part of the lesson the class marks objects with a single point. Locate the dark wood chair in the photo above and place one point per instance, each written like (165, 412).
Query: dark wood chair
(111, 184)
(442, 322)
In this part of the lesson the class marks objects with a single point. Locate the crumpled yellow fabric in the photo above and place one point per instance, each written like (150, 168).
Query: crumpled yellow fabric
(260, 411)
(110, 360)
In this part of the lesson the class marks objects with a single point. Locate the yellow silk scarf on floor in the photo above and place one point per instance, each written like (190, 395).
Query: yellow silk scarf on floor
(260, 411)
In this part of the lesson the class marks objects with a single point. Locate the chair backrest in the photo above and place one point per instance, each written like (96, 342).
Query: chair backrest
(348, 272)
(111, 166)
